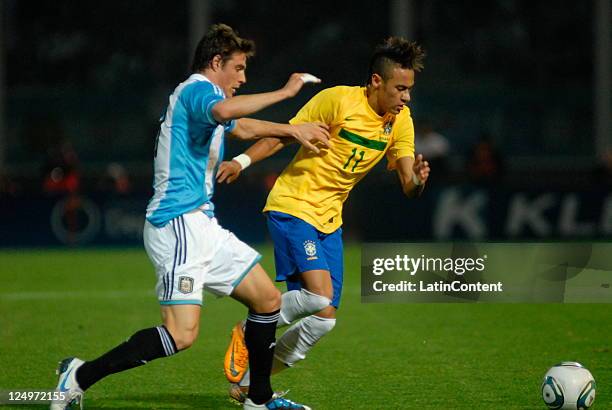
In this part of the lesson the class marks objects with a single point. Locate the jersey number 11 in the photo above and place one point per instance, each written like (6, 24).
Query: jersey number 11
(357, 160)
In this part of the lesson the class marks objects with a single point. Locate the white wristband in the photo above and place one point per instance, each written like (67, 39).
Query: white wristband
(415, 180)
(243, 159)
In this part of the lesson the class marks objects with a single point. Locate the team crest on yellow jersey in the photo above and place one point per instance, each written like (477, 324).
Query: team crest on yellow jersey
(386, 132)
(387, 128)
(388, 121)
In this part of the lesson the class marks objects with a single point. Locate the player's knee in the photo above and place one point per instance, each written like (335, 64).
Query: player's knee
(270, 301)
(300, 303)
(322, 292)
(273, 302)
(314, 302)
(329, 312)
(184, 337)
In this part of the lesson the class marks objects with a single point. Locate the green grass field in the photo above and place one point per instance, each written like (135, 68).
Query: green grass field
(57, 303)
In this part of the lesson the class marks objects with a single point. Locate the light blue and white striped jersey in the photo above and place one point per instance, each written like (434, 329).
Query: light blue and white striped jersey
(188, 151)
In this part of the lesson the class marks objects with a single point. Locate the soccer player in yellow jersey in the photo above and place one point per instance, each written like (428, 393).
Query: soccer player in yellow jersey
(304, 208)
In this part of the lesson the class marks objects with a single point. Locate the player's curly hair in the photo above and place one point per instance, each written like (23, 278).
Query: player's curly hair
(395, 50)
(221, 40)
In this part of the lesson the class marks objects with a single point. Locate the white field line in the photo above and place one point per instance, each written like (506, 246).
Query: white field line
(75, 294)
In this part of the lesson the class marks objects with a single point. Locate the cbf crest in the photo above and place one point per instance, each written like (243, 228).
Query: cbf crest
(311, 250)
(185, 284)
(388, 121)
(387, 128)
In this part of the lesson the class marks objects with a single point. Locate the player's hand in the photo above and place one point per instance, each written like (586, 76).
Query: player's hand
(228, 171)
(421, 169)
(296, 81)
(312, 134)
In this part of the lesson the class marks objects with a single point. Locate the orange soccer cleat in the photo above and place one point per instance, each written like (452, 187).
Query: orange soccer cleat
(237, 356)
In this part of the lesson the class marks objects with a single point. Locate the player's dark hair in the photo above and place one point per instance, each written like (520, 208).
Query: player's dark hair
(395, 51)
(221, 40)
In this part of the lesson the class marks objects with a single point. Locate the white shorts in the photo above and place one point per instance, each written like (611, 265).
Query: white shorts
(192, 253)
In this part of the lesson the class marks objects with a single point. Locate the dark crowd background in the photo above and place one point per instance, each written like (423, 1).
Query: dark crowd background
(504, 111)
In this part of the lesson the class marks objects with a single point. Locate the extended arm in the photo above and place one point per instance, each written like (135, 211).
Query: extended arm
(322, 109)
(243, 105)
(413, 174)
(266, 148)
(307, 134)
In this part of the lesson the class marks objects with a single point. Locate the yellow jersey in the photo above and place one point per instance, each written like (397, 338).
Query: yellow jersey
(313, 187)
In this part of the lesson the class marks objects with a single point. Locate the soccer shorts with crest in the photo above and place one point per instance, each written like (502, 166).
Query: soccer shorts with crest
(300, 247)
(193, 253)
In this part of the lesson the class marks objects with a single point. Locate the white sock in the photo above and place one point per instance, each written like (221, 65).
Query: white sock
(300, 338)
(246, 379)
(296, 304)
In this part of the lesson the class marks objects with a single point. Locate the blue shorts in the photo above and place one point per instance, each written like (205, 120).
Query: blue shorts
(300, 247)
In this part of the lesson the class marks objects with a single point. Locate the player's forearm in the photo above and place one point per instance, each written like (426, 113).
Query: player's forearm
(265, 148)
(411, 185)
(248, 129)
(243, 105)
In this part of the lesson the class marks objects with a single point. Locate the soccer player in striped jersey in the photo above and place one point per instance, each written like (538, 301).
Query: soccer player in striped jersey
(304, 208)
(188, 248)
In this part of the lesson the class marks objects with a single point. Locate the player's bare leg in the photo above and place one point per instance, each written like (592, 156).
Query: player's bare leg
(183, 323)
(318, 282)
(257, 292)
